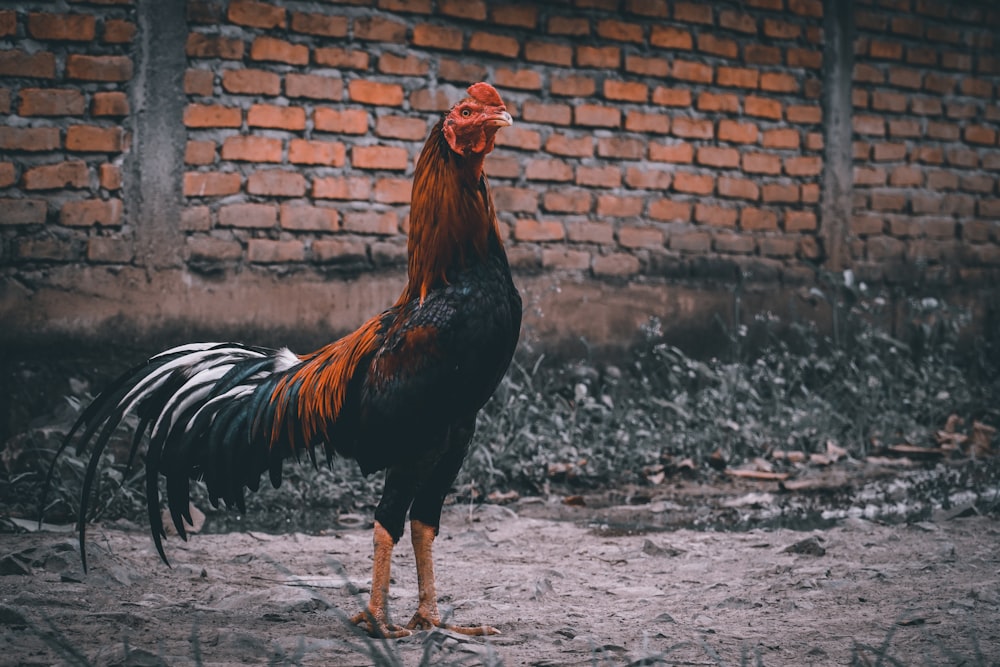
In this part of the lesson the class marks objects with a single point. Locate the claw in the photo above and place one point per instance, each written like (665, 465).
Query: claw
(377, 627)
(421, 621)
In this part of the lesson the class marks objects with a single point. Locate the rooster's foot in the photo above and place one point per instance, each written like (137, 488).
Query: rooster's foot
(376, 626)
(425, 621)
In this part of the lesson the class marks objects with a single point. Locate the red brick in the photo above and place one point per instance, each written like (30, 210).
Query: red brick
(585, 231)
(887, 152)
(524, 79)
(693, 128)
(341, 58)
(72, 174)
(672, 97)
(678, 153)
(401, 127)
(551, 114)
(669, 37)
(410, 65)
(620, 31)
(111, 103)
(8, 23)
(8, 176)
(90, 212)
(271, 49)
(518, 137)
(374, 92)
(199, 82)
(599, 177)
(779, 82)
(202, 152)
(213, 46)
(277, 117)
(737, 21)
(251, 82)
(31, 139)
(577, 26)
(902, 177)
(698, 242)
(781, 138)
(864, 73)
(639, 237)
(869, 125)
(714, 156)
(693, 12)
(5, 100)
(726, 102)
(698, 184)
(379, 29)
(715, 216)
(567, 200)
(379, 157)
(267, 251)
(655, 67)
(357, 188)
(518, 16)
(62, 27)
(561, 144)
(371, 222)
(625, 148)
(41, 65)
(92, 139)
(535, 231)
(462, 71)
(210, 184)
(738, 188)
(212, 115)
(777, 29)
(474, 10)
(762, 107)
(669, 210)
(805, 58)
(601, 57)
(515, 200)
(305, 151)
(644, 178)
(46, 249)
(410, 6)
(256, 14)
(560, 258)
(787, 193)
(573, 86)
(276, 183)
(323, 25)
(498, 45)
(980, 134)
(615, 264)
(761, 163)
(593, 115)
(51, 102)
(867, 176)
(639, 121)
(761, 54)
(803, 166)
(548, 52)
(339, 251)
(625, 91)
(314, 86)
(393, 190)
(754, 219)
(98, 68)
(499, 165)
(437, 37)
(805, 114)
(739, 244)
(305, 218)
(800, 221)
(717, 46)
(547, 170)
(687, 70)
(341, 121)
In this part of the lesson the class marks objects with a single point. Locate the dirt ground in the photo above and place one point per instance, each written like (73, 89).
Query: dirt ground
(566, 585)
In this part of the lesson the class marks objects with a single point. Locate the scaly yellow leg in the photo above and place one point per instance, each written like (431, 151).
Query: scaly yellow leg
(427, 615)
(376, 617)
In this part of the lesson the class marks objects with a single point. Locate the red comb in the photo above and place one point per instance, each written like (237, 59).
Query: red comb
(485, 93)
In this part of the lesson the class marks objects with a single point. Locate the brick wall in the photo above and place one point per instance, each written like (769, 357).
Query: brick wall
(656, 142)
(926, 119)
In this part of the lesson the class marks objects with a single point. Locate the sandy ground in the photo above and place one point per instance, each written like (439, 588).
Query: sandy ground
(561, 592)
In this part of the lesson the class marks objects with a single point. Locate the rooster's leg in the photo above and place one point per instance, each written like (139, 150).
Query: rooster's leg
(427, 615)
(376, 617)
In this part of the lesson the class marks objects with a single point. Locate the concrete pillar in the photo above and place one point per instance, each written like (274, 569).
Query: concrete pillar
(838, 69)
(155, 166)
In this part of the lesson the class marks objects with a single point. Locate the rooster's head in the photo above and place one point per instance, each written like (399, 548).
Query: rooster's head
(471, 125)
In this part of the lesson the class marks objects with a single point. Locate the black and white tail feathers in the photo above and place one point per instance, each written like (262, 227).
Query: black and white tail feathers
(207, 409)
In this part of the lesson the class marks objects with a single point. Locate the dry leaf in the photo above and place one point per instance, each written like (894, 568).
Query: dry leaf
(758, 475)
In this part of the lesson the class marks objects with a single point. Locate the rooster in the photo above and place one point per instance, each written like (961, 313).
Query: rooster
(400, 394)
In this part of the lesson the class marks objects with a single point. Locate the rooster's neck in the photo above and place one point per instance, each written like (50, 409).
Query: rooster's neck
(453, 223)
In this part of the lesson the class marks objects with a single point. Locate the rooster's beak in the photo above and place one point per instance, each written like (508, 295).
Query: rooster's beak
(500, 119)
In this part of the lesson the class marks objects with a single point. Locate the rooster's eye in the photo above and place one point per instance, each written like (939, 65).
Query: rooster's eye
(466, 113)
